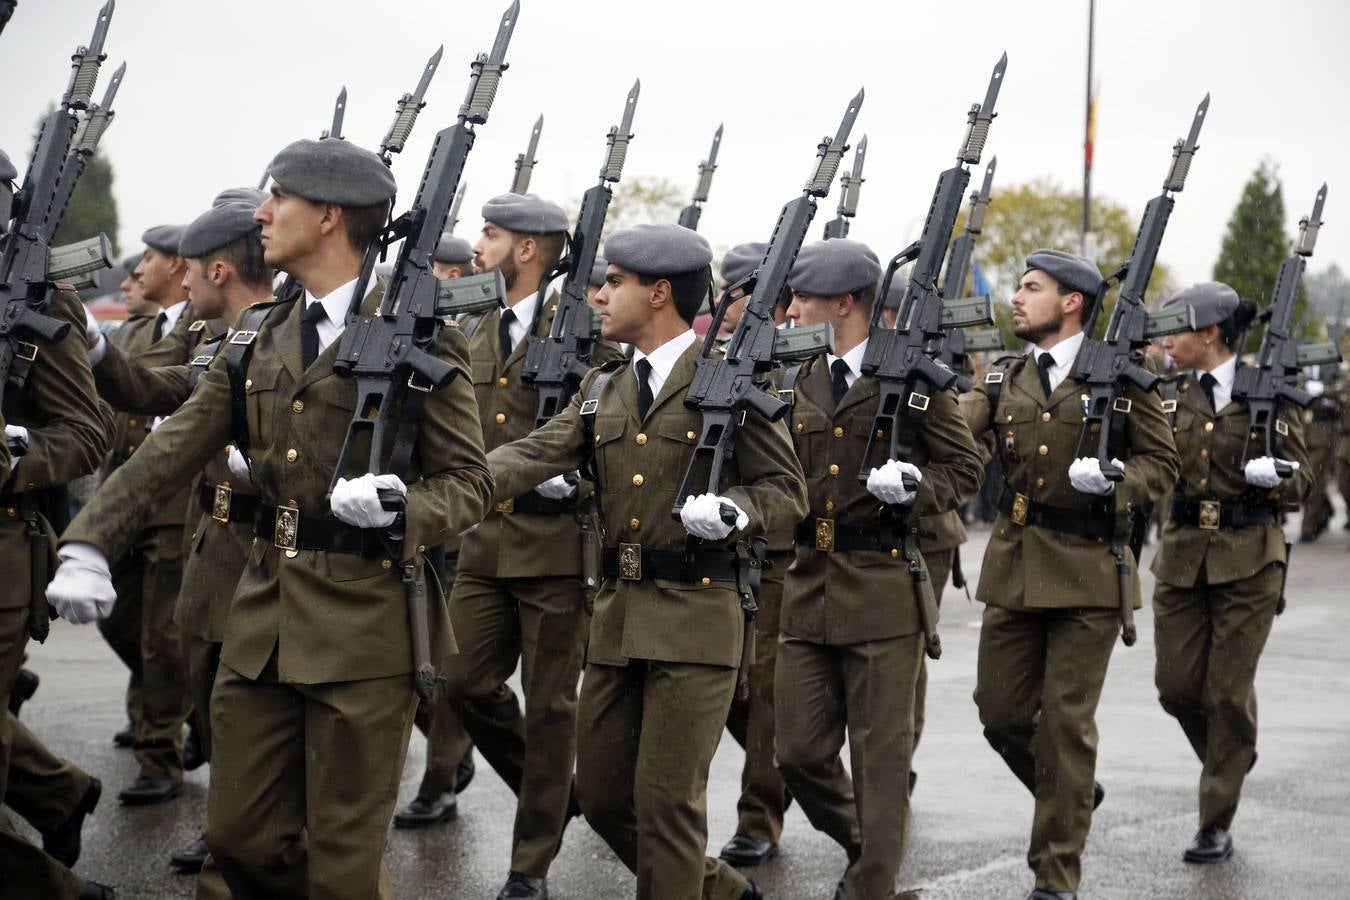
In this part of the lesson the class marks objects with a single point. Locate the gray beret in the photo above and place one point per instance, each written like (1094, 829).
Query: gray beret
(7, 170)
(240, 195)
(452, 250)
(741, 260)
(1077, 273)
(131, 262)
(896, 295)
(1209, 302)
(333, 172)
(598, 268)
(218, 227)
(830, 268)
(661, 249)
(525, 213)
(164, 238)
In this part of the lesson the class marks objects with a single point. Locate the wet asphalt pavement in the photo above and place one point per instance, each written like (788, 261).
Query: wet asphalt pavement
(971, 816)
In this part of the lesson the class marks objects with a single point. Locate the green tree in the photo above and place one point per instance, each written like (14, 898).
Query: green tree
(92, 206)
(641, 200)
(1255, 244)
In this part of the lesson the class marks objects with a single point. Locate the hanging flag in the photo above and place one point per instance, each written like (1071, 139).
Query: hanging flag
(980, 284)
(1091, 138)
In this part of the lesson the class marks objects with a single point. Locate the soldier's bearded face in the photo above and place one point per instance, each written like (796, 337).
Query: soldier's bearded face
(1038, 307)
(495, 250)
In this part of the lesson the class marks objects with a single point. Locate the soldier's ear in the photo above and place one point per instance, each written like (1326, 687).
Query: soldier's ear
(661, 294)
(1073, 302)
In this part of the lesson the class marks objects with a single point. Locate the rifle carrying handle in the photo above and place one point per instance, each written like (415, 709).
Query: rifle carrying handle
(390, 499)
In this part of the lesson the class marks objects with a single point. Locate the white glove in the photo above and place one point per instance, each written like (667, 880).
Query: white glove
(702, 517)
(92, 333)
(1085, 474)
(1261, 471)
(16, 436)
(82, 590)
(356, 502)
(887, 483)
(1315, 388)
(556, 488)
(238, 466)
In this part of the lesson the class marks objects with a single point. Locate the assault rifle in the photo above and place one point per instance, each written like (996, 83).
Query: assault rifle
(900, 357)
(724, 387)
(850, 185)
(1272, 383)
(555, 365)
(25, 288)
(525, 161)
(953, 347)
(690, 215)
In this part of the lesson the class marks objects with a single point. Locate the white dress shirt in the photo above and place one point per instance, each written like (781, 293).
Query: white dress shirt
(524, 313)
(663, 359)
(853, 359)
(335, 305)
(1063, 353)
(172, 314)
(1224, 373)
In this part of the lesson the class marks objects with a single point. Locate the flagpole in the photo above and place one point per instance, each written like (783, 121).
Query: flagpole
(1088, 137)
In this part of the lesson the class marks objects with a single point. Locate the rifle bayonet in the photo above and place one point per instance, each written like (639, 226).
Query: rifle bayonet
(339, 113)
(850, 186)
(453, 219)
(1184, 151)
(99, 117)
(86, 61)
(690, 215)
(525, 161)
(981, 116)
(619, 136)
(409, 105)
(830, 152)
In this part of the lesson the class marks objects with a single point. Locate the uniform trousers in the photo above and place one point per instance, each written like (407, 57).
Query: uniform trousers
(764, 798)
(542, 623)
(1317, 509)
(1209, 639)
(203, 658)
(866, 690)
(647, 733)
(1038, 679)
(303, 765)
(43, 787)
(447, 744)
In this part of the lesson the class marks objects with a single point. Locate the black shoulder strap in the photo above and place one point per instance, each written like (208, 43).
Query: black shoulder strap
(238, 355)
(589, 406)
(994, 379)
(468, 326)
(1169, 399)
(199, 363)
(787, 389)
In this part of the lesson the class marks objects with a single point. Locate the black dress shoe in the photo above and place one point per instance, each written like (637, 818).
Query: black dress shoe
(25, 686)
(92, 890)
(913, 780)
(1045, 894)
(752, 892)
(189, 860)
(1210, 845)
(146, 790)
(743, 850)
(193, 756)
(523, 887)
(1098, 794)
(126, 738)
(63, 842)
(422, 811)
(464, 772)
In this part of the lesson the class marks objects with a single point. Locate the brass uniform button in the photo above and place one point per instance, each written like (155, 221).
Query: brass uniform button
(1045, 417)
(637, 481)
(838, 431)
(597, 440)
(501, 418)
(133, 423)
(1204, 454)
(834, 469)
(12, 512)
(386, 563)
(691, 435)
(248, 383)
(634, 524)
(1204, 481)
(1040, 483)
(894, 553)
(799, 428)
(503, 382)
(421, 548)
(640, 440)
(1009, 419)
(131, 448)
(829, 505)
(881, 433)
(1042, 450)
(291, 455)
(297, 406)
(706, 581)
(292, 554)
(1209, 426)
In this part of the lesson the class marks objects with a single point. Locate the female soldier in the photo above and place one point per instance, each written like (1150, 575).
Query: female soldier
(1221, 565)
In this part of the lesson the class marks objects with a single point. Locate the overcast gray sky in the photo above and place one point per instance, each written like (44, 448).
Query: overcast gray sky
(213, 90)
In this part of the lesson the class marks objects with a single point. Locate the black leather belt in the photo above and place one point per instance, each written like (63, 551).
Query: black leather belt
(535, 504)
(221, 503)
(286, 528)
(634, 562)
(1084, 523)
(831, 536)
(1212, 515)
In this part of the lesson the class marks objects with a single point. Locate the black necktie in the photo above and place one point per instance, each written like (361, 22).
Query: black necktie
(1208, 381)
(160, 321)
(309, 332)
(838, 380)
(1043, 364)
(504, 332)
(644, 371)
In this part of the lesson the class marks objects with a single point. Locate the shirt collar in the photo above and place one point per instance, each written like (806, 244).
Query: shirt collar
(524, 308)
(1223, 373)
(339, 299)
(172, 314)
(853, 358)
(1065, 351)
(664, 357)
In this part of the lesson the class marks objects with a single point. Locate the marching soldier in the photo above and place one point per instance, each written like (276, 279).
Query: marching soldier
(851, 626)
(764, 798)
(1321, 421)
(1049, 581)
(1223, 559)
(453, 258)
(312, 707)
(666, 637)
(54, 431)
(1343, 447)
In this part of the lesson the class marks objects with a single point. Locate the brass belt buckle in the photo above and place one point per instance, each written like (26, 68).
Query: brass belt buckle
(505, 506)
(825, 535)
(630, 562)
(287, 531)
(1209, 515)
(220, 504)
(1019, 508)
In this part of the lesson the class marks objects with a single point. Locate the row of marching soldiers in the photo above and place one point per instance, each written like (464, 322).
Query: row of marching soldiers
(275, 614)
